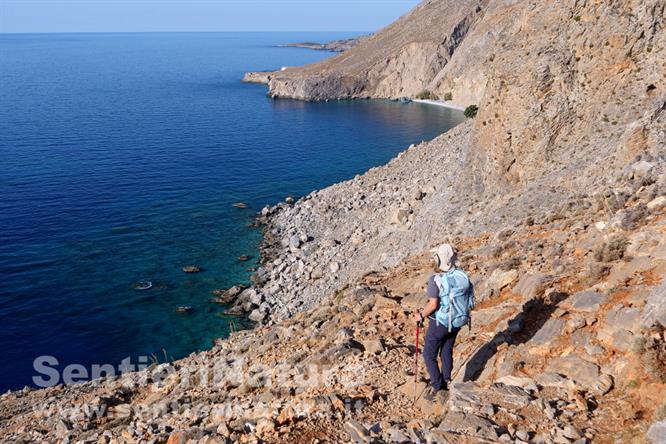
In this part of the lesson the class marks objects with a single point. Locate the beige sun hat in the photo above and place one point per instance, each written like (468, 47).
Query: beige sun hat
(445, 256)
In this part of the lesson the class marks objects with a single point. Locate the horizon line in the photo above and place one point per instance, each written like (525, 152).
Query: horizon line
(179, 32)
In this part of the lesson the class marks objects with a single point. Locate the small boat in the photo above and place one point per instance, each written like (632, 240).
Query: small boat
(192, 269)
(404, 100)
(184, 309)
(244, 258)
(240, 205)
(143, 285)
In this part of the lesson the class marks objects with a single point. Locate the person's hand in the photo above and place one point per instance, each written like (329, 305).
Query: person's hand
(417, 317)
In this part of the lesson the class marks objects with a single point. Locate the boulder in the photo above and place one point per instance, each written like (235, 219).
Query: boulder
(257, 315)
(572, 432)
(527, 384)
(344, 335)
(396, 435)
(413, 300)
(226, 296)
(252, 296)
(554, 380)
(178, 437)
(384, 303)
(619, 319)
(656, 204)
(465, 397)
(469, 424)
(510, 396)
(657, 433)
(500, 279)
(294, 242)
(373, 346)
(400, 216)
(552, 329)
(586, 375)
(655, 308)
(642, 169)
(357, 432)
(587, 301)
(532, 285)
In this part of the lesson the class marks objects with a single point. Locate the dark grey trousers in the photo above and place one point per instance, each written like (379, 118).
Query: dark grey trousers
(439, 342)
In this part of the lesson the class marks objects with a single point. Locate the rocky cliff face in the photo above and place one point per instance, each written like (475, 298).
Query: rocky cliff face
(555, 130)
(555, 194)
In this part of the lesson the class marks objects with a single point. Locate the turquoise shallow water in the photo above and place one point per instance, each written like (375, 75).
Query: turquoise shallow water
(121, 157)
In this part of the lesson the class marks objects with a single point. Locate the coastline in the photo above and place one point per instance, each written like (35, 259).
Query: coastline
(563, 239)
(442, 103)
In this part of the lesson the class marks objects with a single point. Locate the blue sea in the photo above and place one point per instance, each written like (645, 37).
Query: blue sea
(120, 158)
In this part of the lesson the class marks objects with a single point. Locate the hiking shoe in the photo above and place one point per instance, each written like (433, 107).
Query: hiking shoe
(442, 396)
(430, 394)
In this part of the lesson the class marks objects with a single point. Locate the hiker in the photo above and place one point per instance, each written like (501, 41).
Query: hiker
(450, 300)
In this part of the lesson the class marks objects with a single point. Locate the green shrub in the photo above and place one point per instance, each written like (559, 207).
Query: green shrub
(448, 96)
(577, 18)
(427, 95)
(470, 111)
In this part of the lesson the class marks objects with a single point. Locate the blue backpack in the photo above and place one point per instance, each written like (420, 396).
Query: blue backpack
(456, 299)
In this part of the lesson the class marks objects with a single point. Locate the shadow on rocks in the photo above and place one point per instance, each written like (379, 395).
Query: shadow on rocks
(521, 329)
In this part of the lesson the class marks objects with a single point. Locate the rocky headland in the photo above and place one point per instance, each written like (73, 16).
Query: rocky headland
(334, 46)
(555, 195)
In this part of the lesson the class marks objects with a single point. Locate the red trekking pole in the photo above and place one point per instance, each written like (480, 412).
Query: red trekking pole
(416, 359)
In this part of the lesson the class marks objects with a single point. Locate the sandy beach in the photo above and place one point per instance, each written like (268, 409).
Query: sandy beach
(444, 103)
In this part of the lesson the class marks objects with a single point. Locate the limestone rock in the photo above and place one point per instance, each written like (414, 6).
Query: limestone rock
(469, 424)
(373, 347)
(550, 330)
(500, 279)
(585, 374)
(657, 432)
(532, 285)
(357, 432)
(587, 301)
(657, 204)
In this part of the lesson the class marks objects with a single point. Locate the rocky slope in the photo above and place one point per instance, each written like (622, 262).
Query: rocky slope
(556, 196)
(589, 102)
(567, 345)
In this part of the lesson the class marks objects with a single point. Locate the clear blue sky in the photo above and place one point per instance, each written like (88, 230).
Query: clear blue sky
(198, 15)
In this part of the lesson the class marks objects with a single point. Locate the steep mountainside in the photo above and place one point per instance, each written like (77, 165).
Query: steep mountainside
(570, 94)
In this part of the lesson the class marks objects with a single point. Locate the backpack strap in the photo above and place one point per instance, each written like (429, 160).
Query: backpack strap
(448, 280)
(440, 286)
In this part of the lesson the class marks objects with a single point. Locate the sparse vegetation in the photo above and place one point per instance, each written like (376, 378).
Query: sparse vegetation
(448, 96)
(427, 95)
(638, 345)
(654, 356)
(611, 250)
(577, 18)
(471, 111)
(596, 272)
